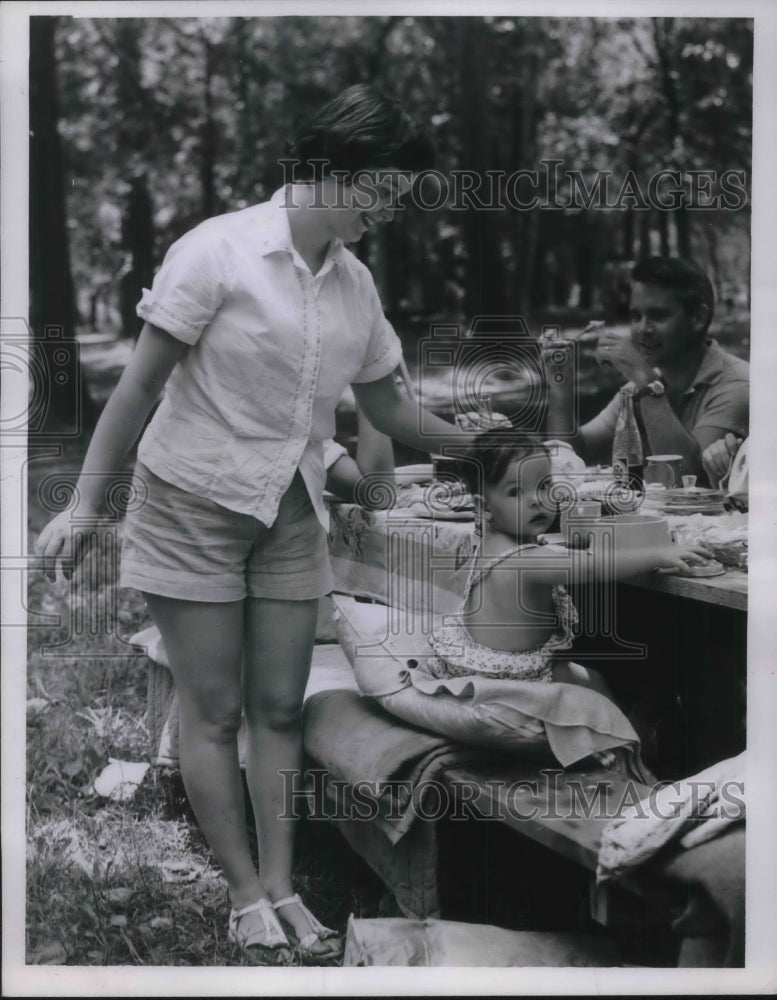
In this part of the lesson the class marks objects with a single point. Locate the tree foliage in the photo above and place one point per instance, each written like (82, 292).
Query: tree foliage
(170, 120)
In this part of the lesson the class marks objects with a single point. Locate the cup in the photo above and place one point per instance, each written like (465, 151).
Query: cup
(575, 517)
(446, 467)
(666, 470)
(629, 531)
(689, 482)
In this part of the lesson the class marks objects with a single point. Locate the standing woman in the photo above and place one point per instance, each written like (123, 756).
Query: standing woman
(255, 324)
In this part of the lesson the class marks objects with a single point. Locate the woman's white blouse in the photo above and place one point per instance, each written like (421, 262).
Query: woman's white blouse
(273, 347)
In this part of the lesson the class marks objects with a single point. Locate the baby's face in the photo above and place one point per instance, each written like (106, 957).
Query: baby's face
(520, 504)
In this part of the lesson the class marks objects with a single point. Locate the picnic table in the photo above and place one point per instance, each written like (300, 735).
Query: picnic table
(389, 555)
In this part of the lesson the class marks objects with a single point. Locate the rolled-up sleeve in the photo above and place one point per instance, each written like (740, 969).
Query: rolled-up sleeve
(384, 348)
(188, 288)
(333, 452)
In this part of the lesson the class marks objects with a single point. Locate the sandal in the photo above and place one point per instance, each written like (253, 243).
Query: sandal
(256, 930)
(317, 933)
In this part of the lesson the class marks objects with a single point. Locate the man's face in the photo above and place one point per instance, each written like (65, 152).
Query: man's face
(661, 330)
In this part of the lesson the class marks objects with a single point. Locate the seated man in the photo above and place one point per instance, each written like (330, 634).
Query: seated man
(688, 392)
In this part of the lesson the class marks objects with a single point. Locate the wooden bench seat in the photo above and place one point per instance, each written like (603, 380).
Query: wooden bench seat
(564, 811)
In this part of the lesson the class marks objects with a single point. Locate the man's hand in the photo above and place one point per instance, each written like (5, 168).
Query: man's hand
(717, 457)
(616, 349)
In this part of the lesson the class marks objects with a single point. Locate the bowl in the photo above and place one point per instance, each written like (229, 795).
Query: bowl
(622, 531)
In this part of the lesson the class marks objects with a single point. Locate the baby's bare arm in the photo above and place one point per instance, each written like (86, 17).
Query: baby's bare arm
(552, 566)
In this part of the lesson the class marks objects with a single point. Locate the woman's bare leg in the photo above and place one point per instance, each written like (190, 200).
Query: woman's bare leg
(279, 646)
(204, 644)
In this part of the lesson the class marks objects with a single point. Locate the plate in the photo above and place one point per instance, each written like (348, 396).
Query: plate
(693, 501)
(424, 513)
(420, 473)
(712, 568)
(679, 509)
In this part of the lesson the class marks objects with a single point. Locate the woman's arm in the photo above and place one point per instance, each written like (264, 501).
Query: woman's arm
(374, 459)
(374, 450)
(391, 412)
(156, 354)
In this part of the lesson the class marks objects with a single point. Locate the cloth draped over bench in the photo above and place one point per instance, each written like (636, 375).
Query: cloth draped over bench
(356, 742)
(388, 649)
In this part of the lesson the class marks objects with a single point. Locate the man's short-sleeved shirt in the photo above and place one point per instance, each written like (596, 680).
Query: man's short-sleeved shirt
(719, 397)
(272, 348)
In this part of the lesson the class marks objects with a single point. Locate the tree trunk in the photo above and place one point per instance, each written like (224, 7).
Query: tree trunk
(663, 232)
(246, 142)
(138, 241)
(711, 235)
(484, 287)
(586, 260)
(68, 408)
(683, 222)
(527, 224)
(628, 233)
(644, 234)
(663, 29)
(207, 154)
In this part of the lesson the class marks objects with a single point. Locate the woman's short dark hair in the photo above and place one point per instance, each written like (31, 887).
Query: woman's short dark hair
(492, 452)
(360, 129)
(689, 284)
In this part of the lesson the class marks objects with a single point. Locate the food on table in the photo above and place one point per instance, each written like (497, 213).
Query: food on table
(725, 535)
(434, 497)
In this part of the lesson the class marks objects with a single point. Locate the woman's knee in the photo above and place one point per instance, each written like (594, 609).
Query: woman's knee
(278, 714)
(214, 719)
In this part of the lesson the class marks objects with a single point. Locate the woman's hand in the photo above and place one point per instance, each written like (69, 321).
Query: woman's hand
(65, 541)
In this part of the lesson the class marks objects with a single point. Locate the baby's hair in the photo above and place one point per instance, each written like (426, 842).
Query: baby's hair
(491, 453)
